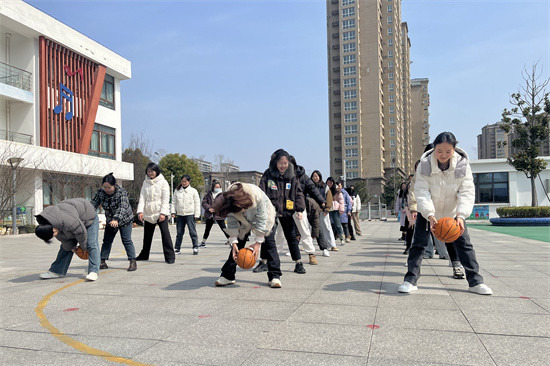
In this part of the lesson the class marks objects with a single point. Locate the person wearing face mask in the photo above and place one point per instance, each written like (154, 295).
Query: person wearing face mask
(119, 217)
(209, 213)
(186, 207)
(444, 187)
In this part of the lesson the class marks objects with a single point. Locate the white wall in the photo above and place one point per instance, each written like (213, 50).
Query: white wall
(519, 186)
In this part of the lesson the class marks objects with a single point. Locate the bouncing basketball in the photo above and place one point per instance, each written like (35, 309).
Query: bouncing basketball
(447, 230)
(246, 258)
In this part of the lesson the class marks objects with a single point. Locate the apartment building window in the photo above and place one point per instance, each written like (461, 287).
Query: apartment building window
(392, 132)
(392, 154)
(390, 42)
(348, 36)
(491, 187)
(350, 117)
(351, 153)
(103, 142)
(390, 65)
(390, 76)
(350, 141)
(352, 175)
(348, 47)
(352, 164)
(392, 98)
(348, 12)
(390, 53)
(350, 106)
(392, 121)
(349, 130)
(391, 87)
(390, 19)
(348, 2)
(392, 143)
(350, 70)
(348, 83)
(347, 24)
(390, 32)
(350, 94)
(392, 109)
(349, 59)
(390, 8)
(107, 98)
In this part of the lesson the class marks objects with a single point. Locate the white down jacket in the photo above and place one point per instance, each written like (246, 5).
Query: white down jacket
(259, 218)
(448, 193)
(154, 199)
(186, 201)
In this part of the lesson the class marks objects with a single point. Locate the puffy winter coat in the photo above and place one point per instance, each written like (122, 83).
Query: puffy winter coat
(308, 187)
(154, 199)
(448, 193)
(313, 210)
(72, 218)
(186, 201)
(284, 191)
(259, 218)
(356, 204)
(207, 202)
(338, 203)
(348, 203)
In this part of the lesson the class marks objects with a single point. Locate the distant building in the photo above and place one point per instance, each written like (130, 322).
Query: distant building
(371, 128)
(420, 117)
(204, 166)
(229, 168)
(226, 178)
(488, 142)
(60, 109)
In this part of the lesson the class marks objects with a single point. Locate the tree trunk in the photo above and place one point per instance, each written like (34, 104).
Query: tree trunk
(534, 201)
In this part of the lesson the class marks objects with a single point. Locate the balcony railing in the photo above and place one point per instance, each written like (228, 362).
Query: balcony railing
(16, 137)
(15, 77)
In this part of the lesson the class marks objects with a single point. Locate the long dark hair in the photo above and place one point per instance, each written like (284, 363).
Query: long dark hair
(320, 183)
(154, 167)
(44, 230)
(276, 156)
(333, 188)
(109, 178)
(233, 200)
(447, 137)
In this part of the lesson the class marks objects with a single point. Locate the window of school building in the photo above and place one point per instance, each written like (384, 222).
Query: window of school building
(491, 187)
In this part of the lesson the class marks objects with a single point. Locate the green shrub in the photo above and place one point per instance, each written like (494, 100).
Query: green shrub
(523, 212)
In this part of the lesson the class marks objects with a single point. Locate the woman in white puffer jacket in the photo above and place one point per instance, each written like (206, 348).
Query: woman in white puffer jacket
(444, 187)
(154, 209)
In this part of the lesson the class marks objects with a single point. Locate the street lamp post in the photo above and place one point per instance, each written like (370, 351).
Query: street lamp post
(14, 162)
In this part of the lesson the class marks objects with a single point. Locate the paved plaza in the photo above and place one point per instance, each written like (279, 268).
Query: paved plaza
(344, 311)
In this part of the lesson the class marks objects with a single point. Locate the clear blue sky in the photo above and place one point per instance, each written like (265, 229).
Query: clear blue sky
(244, 78)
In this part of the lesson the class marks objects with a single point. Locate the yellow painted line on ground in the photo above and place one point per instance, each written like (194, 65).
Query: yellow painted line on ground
(73, 342)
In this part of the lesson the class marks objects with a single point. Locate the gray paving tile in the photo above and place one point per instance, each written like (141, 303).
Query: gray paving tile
(512, 350)
(285, 358)
(509, 323)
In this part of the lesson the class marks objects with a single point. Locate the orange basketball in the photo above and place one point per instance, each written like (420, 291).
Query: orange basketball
(447, 229)
(246, 258)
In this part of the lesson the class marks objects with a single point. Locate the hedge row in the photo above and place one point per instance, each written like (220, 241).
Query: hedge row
(525, 211)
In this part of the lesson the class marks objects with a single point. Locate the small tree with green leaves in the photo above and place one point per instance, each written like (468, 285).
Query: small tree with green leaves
(527, 121)
(179, 165)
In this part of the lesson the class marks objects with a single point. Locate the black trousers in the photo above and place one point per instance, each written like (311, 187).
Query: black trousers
(209, 224)
(268, 251)
(464, 250)
(167, 245)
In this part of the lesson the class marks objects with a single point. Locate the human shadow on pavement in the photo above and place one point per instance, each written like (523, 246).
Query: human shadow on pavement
(35, 278)
(366, 286)
(206, 281)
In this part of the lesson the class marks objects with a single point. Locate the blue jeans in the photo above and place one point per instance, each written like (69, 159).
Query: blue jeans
(63, 260)
(188, 220)
(336, 224)
(125, 236)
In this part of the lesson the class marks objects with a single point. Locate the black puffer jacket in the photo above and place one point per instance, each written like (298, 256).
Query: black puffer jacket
(284, 191)
(309, 188)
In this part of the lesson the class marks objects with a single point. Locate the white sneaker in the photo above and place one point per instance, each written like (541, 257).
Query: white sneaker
(287, 254)
(326, 253)
(275, 283)
(49, 275)
(222, 281)
(92, 276)
(407, 287)
(481, 289)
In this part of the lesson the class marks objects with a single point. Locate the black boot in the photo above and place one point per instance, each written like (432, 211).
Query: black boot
(103, 265)
(133, 265)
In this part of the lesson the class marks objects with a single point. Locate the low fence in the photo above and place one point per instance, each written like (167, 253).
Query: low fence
(374, 212)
